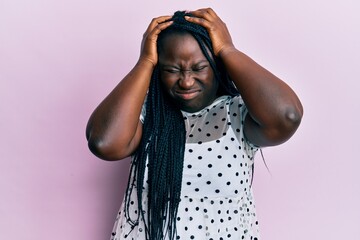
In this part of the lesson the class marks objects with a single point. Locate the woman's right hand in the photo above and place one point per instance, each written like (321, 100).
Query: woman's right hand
(148, 44)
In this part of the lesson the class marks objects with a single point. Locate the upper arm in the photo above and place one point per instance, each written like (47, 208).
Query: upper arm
(134, 143)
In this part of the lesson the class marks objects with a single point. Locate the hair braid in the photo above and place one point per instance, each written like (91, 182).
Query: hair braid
(163, 143)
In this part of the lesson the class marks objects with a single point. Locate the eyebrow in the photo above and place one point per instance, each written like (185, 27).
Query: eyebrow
(197, 63)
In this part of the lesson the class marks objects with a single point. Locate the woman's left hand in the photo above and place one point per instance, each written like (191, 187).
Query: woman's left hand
(216, 28)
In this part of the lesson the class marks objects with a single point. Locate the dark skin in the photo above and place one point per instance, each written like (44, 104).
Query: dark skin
(114, 130)
(186, 73)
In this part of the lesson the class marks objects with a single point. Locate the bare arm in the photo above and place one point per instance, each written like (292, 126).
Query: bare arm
(114, 130)
(275, 111)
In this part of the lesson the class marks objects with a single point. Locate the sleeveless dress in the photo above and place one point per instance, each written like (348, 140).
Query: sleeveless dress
(216, 194)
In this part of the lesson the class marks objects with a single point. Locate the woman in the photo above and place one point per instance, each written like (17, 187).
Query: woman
(192, 113)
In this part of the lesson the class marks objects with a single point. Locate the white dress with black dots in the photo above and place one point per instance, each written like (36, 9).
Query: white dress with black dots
(216, 196)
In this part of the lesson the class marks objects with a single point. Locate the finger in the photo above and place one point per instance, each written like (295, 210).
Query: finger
(199, 20)
(212, 12)
(156, 21)
(206, 13)
(160, 19)
(157, 29)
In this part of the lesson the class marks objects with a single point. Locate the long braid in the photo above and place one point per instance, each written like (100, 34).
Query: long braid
(162, 146)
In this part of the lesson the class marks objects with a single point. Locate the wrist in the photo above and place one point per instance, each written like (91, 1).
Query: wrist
(224, 51)
(146, 62)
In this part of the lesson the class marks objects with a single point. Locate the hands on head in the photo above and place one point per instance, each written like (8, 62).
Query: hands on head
(206, 17)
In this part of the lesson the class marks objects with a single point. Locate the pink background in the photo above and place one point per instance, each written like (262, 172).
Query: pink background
(59, 59)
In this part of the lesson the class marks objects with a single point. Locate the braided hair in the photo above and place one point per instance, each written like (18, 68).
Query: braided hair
(162, 146)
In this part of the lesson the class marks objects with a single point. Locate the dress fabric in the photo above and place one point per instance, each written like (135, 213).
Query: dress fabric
(216, 194)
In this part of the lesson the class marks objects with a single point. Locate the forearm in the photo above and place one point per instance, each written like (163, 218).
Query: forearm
(272, 104)
(114, 123)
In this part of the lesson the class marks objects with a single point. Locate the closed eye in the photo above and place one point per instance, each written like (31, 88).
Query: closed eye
(200, 68)
(172, 70)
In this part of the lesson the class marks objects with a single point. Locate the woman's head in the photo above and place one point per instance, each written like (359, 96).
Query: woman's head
(186, 74)
(190, 72)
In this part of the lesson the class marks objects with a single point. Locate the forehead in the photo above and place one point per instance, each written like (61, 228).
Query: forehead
(180, 46)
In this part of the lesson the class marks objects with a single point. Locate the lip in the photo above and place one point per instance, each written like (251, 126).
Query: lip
(187, 95)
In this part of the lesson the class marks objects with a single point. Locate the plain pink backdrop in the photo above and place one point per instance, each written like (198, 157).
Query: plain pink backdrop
(59, 59)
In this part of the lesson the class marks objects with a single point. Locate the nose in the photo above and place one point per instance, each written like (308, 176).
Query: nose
(186, 80)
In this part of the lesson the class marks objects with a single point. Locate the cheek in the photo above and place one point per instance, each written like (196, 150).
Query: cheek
(166, 84)
(213, 82)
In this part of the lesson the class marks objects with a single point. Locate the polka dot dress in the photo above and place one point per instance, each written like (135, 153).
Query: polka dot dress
(216, 196)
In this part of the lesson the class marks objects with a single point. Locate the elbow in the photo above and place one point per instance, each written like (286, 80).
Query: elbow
(287, 123)
(290, 121)
(98, 148)
(293, 118)
(104, 150)
(281, 127)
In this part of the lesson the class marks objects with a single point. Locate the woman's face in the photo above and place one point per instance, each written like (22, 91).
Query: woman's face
(186, 73)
